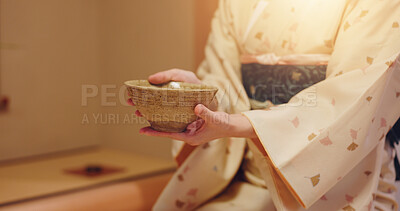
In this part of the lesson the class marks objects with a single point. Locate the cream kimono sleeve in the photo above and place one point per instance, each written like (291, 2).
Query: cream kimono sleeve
(327, 129)
(220, 68)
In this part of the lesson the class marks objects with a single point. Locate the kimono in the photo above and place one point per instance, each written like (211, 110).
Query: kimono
(325, 149)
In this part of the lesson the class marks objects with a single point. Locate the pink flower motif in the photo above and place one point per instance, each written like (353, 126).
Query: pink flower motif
(326, 141)
(364, 69)
(267, 43)
(324, 198)
(190, 205)
(265, 15)
(370, 205)
(295, 122)
(292, 45)
(192, 192)
(367, 172)
(293, 27)
(349, 198)
(358, 19)
(186, 169)
(383, 123)
(179, 203)
(353, 134)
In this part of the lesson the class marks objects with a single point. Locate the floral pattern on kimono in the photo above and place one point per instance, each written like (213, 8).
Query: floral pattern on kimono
(321, 155)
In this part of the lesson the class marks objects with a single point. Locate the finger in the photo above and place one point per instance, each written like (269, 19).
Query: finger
(138, 114)
(203, 112)
(130, 102)
(164, 77)
(148, 131)
(151, 132)
(174, 75)
(193, 140)
(194, 126)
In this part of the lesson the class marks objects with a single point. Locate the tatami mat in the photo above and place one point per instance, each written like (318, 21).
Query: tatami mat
(45, 176)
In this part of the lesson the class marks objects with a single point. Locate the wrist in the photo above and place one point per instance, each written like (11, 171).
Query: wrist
(240, 126)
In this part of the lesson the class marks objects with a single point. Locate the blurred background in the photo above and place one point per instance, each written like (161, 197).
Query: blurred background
(62, 68)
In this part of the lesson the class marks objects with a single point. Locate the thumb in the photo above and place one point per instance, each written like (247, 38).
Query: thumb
(204, 113)
(159, 78)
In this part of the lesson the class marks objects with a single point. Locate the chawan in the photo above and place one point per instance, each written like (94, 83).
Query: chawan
(169, 107)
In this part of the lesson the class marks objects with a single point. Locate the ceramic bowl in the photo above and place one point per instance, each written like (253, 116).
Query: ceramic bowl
(169, 107)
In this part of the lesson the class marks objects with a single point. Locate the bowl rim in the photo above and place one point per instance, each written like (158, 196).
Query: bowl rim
(205, 89)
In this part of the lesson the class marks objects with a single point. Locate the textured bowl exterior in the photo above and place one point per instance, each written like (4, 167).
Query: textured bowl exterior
(169, 109)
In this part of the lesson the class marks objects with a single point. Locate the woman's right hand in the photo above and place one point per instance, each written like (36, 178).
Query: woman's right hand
(174, 75)
(171, 75)
(180, 76)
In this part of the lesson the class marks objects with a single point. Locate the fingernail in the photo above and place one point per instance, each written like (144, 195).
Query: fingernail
(130, 102)
(191, 130)
(199, 108)
(138, 114)
(199, 123)
(142, 131)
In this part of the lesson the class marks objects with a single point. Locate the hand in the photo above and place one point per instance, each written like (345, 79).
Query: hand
(179, 75)
(210, 126)
(174, 75)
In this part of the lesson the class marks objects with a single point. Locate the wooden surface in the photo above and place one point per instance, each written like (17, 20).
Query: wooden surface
(130, 195)
(45, 176)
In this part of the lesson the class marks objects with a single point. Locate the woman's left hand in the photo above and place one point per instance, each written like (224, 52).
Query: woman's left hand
(210, 126)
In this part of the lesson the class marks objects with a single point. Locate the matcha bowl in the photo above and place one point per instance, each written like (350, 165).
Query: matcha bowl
(169, 107)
